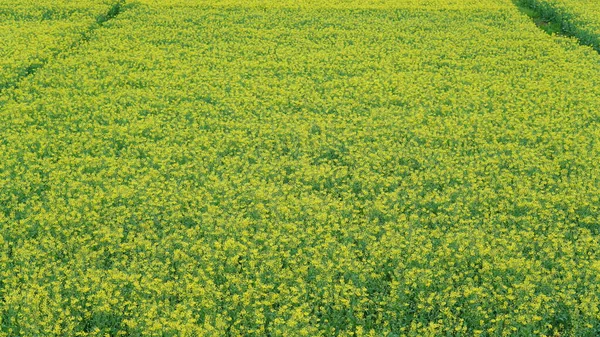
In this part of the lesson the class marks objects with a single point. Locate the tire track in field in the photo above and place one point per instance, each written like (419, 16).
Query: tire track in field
(117, 8)
(553, 21)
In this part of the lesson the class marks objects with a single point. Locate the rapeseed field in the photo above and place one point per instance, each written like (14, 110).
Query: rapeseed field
(296, 168)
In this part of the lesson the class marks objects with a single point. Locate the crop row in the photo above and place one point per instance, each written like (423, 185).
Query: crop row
(579, 18)
(32, 32)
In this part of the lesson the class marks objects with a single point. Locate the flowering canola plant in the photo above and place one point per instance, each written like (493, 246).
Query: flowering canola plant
(297, 168)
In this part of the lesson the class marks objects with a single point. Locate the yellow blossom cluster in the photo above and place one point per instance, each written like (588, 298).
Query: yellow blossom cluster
(365, 168)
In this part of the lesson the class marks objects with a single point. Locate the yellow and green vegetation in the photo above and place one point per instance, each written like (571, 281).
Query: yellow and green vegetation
(579, 18)
(299, 168)
(32, 32)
